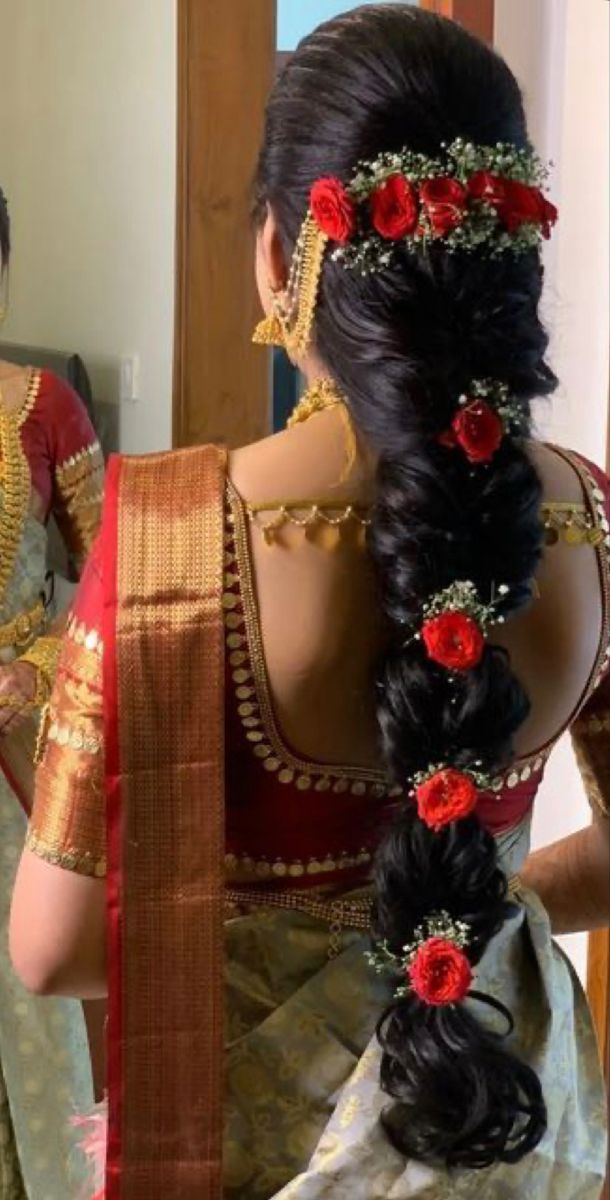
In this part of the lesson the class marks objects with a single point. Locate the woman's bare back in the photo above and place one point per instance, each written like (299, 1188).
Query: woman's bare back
(320, 616)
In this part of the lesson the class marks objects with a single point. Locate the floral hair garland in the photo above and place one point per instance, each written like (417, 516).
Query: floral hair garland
(470, 197)
(453, 633)
(444, 794)
(456, 623)
(485, 416)
(435, 965)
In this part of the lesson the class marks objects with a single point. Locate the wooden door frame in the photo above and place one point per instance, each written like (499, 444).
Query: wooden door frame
(221, 381)
(476, 15)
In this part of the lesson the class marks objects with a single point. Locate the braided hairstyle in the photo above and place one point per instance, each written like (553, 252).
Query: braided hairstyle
(403, 344)
(5, 234)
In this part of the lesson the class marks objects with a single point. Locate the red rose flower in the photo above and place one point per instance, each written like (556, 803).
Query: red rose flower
(440, 973)
(478, 430)
(445, 202)
(521, 206)
(548, 214)
(483, 185)
(447, 796)
(394, 208)
(454, 640)
(333, 210)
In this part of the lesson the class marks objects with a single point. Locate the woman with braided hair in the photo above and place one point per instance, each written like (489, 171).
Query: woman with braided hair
(367, 634)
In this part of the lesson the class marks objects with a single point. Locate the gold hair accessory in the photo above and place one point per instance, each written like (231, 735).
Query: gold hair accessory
(290, 323)
(44, 655)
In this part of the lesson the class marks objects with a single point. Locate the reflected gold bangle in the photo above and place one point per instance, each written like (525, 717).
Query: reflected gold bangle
(44, 655)
(19, 631)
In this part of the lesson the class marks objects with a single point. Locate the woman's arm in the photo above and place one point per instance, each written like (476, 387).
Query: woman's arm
(572, 878)
(57, 923)
(57, 931)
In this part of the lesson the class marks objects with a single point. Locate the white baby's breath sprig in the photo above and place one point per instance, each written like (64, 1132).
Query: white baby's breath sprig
(462, 596)
(437, 925)
(480, 228)
(498, 396)
(482, 780)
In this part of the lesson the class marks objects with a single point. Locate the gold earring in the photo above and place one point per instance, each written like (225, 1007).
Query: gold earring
(290, 324)
(269, 331)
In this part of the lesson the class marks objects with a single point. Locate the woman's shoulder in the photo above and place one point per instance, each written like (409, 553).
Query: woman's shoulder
(308, 462)
(567, 474)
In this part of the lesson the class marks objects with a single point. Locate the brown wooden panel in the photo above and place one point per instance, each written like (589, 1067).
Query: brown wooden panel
(598, 990)
(475, 15)
(599, 985)
(225, 68)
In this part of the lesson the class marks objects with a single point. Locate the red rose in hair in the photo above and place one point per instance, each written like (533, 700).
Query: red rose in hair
(454, 640)
(522, 206)
(478, 429)
(548, 214)
(333, 210)
(445, 797)
(394, 208)
(440, 973)
(483, 185)
(445, 202)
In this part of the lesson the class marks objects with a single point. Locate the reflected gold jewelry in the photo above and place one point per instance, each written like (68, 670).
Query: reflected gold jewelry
(44, 655)
(295, 307)
(41, 737)
(15, 493)
(16, 702)
(19, 631)
(31, 396)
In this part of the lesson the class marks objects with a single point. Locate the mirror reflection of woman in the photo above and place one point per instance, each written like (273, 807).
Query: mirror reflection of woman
(50, 466)
(366, 634)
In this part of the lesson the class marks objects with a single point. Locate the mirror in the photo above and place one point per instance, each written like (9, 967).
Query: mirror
(88, 169)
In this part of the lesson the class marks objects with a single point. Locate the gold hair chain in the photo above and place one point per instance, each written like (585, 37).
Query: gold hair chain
(290, 323)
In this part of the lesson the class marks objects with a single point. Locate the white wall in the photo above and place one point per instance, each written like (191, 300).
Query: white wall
(87, 160)
(560, 51)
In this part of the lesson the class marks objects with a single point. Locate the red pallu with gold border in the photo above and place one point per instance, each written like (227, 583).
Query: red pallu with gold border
(163, 552)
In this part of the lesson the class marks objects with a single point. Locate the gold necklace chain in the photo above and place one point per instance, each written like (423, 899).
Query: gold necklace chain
(566, 521)
(322, 394)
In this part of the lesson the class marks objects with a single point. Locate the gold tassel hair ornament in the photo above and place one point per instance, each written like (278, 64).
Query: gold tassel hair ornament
(290, 324)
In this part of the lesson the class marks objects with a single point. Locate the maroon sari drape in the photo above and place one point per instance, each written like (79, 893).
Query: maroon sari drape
(163, 686)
